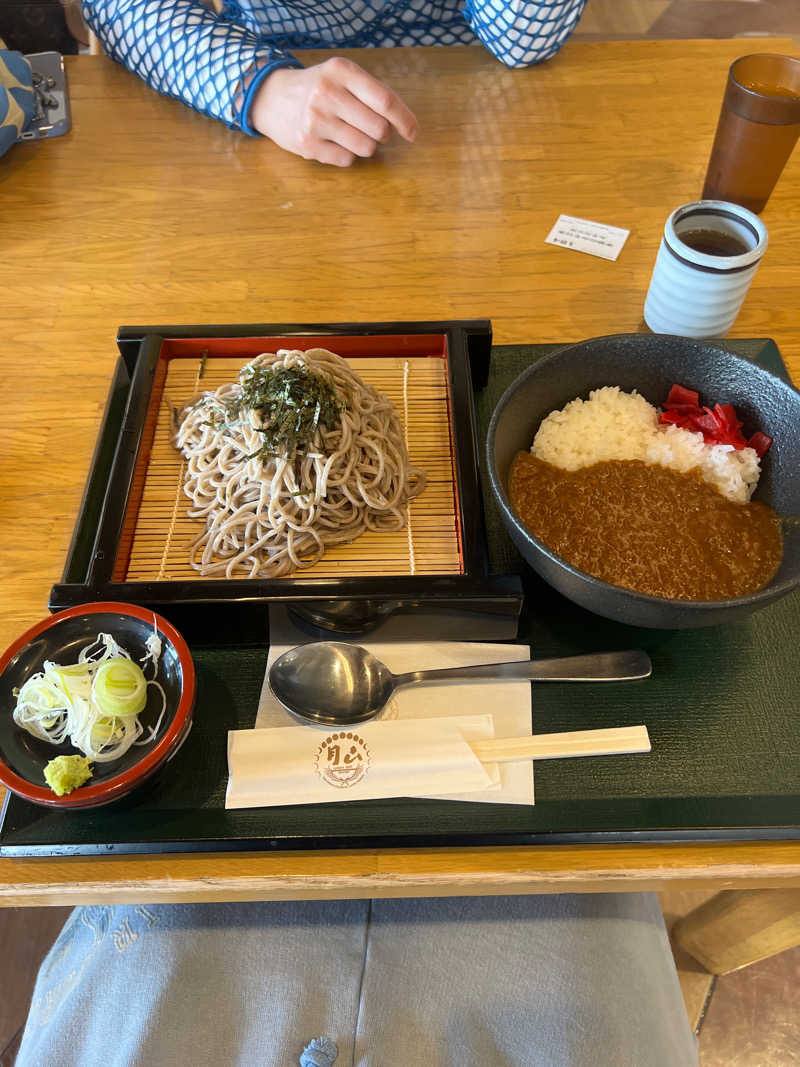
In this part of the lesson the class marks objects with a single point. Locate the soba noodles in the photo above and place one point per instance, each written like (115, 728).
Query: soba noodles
(298, 455)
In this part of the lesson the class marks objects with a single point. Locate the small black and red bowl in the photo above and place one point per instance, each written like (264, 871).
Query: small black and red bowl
(59, 639)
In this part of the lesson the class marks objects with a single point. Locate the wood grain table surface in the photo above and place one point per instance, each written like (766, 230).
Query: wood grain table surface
(149, 213)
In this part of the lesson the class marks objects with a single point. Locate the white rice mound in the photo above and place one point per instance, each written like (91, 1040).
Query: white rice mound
(613, 424)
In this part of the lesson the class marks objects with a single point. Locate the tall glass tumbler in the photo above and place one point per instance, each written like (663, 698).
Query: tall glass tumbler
(757, 130)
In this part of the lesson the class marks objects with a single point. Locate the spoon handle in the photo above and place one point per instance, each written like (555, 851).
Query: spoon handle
(595, 667)
(610, 742)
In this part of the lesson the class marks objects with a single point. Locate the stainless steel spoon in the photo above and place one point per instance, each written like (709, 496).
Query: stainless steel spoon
(338, 684)
(356, 617)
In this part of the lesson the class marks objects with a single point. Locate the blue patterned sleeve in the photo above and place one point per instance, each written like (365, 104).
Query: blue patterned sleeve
(523, 32)
(184, 50)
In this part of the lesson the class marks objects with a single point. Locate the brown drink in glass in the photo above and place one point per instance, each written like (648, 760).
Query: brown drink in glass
(757, 130)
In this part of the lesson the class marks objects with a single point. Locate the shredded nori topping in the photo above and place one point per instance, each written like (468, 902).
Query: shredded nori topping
(292, 403)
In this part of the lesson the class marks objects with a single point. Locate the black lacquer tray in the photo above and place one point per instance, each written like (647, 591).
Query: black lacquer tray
(721, 709)
(133, 447)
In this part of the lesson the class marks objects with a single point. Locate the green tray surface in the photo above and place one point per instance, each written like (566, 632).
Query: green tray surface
(721, 709)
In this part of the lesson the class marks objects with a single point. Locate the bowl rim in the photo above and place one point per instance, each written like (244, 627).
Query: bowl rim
(767, 593)
(92, 795)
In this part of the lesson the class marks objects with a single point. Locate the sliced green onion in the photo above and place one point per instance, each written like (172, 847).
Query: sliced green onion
(94, 703)
(119, 688)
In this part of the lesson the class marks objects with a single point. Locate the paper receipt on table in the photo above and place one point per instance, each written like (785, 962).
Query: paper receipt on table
(582, 235)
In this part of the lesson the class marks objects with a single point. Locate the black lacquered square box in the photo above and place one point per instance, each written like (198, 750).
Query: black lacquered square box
(133, 536)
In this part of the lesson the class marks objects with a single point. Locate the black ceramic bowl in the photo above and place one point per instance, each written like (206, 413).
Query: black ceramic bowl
(60, 638)
(651, 364)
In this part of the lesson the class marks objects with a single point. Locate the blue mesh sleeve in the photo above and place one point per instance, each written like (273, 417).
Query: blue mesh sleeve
(523, 32)
(184, 50)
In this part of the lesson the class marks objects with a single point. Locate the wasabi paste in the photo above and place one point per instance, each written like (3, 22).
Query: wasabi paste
(65, 773)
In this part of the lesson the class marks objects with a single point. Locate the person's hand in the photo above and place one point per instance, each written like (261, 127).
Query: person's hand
(332, 112)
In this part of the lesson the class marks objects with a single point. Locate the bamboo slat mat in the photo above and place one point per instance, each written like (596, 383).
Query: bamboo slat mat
(160, 538)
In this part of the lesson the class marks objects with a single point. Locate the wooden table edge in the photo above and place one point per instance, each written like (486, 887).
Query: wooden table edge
(204, 877)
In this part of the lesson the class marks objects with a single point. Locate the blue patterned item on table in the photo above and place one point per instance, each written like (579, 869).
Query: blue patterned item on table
(16, 97)
(184, 50)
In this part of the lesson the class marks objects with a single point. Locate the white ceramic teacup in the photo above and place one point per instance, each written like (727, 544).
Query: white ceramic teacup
(694, 293)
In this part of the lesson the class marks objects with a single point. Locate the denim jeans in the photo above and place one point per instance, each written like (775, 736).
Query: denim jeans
(534, 981)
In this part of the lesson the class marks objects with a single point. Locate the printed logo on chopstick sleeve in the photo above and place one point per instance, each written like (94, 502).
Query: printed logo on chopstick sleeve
(342, 759)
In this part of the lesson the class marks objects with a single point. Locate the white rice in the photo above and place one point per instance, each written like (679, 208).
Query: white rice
(612, 424)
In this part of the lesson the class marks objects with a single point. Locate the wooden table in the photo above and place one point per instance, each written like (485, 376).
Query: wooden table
(149, 213)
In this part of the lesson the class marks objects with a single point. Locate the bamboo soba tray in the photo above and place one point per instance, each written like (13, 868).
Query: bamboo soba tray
(134, 536)
(158, 533)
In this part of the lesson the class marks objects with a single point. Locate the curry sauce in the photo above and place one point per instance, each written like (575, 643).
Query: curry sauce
(648, 528)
